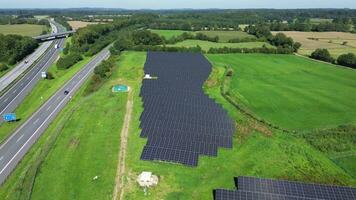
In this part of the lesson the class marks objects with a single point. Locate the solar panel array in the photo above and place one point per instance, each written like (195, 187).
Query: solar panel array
(179, 120)
(259, 188)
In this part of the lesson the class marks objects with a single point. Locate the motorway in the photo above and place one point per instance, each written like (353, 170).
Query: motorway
(18, 144)
(18, 91)
(20, 68)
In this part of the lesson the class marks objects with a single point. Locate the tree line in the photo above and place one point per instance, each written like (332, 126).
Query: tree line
(347, 60)
(13, 48)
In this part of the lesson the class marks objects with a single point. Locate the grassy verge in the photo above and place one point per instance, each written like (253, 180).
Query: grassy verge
(43, 90)
(258, 151)
(88, 145)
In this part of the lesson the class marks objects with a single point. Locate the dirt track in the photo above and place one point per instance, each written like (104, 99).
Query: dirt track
(118, 190)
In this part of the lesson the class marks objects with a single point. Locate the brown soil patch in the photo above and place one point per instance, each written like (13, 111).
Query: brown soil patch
(79, 24)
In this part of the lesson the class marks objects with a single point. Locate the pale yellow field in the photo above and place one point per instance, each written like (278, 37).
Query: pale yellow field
(329, 40)
(80, 24)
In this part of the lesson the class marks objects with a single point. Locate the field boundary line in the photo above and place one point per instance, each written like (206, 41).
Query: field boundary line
(119, 180)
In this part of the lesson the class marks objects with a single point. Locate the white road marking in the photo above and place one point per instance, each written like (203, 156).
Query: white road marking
(14, 91)
(19, 138)
(1, 158)
(6, 99)
(49, 107)
(58, 97)
(36, 121)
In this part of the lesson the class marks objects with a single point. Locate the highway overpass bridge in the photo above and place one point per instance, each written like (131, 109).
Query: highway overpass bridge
(53, 36)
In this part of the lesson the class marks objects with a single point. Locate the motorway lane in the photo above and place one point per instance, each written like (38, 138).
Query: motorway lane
(20, 68)
(16, 146)
(15, 95)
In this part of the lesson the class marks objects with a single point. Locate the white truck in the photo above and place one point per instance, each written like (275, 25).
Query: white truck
(56, 46)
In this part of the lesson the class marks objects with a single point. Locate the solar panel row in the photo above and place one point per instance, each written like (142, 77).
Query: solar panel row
(259, 188)
(179, 120)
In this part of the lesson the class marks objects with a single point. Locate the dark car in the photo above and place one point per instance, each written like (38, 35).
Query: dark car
(66, 92)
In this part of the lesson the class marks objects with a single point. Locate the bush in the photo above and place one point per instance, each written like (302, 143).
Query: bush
(69, 60)
(348, 60)
(322, 54)
(49, 76)
(3, 67)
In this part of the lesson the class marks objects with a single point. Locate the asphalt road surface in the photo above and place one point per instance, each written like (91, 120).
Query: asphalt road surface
(17, 145)
(18, 91)
(20, 68)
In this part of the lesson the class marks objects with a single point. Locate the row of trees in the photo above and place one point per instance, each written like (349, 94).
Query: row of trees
(22, 19)
(348, 60)
(280, 40)
(13, 48)
(307, 26)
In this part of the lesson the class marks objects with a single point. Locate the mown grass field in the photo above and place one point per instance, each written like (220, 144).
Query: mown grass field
(41, 92)
(224, 36)
(22, 29)
(168, 34)
(292, 92)
(329, 40)
(257, 152)
(206, 45)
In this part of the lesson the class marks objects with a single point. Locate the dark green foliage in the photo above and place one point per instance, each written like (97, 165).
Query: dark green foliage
(247, 39)
(69, 60)
(322, 54)
(340, 139)
(348, 60)
(49, 76)
(14, 48)
(227, 50)
(122, 44)
(167, 49)
(259, 30)
(3, 67)
(61, 20)
(104, 69)
(281, 40)
(22, 19)
(201, 36)
(296, 46)
(144, 37)
(101, 73)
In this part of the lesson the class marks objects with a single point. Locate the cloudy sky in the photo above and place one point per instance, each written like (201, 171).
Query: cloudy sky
(167, 4)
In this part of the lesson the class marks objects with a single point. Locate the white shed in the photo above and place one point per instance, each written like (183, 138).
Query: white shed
(147, 179)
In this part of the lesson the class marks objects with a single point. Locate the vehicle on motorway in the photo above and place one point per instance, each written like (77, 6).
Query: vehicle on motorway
(56, 46)
(26, 61)
(66, 92)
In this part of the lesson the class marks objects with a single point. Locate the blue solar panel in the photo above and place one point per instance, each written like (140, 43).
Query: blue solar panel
(180, 121)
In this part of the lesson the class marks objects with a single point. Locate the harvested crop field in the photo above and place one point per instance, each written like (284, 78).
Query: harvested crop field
(80, 24)
(333, 41)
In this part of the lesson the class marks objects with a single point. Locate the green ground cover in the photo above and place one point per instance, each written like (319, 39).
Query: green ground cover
(225, 36)
(168, 34)
(206, 45)
(23, 29)
(43, 90)
(74, 157)
(274, 155)
(292, 92)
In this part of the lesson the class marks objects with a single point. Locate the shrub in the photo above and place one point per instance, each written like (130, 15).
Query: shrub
(69, 60)
(322, 54)
(348, 60)
(3, 67)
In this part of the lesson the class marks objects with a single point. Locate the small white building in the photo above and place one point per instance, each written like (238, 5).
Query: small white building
(147, 179)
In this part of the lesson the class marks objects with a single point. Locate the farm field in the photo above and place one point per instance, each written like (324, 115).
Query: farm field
(225, 36)
(329, 40)
(257, 151)
(292, 92)
(168, 34)
(80, 24)
(22, 29)
(206, 45)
